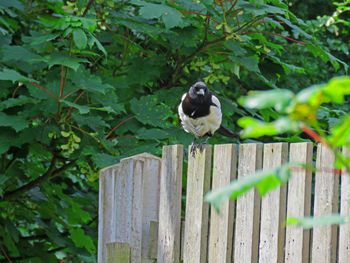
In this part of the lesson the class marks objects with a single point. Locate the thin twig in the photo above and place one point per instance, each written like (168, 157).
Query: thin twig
(120, 123)
(48, 92)
(88, 6)
(275, 34)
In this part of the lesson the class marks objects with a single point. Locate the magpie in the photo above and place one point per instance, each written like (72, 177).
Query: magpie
(200, 114)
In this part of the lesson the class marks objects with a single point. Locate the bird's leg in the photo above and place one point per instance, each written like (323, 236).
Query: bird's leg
(201, 145)
(193, 147)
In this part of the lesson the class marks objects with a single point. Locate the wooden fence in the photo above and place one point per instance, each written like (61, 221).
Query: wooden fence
(140, 216)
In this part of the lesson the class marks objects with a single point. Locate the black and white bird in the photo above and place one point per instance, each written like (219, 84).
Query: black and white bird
(200, 114)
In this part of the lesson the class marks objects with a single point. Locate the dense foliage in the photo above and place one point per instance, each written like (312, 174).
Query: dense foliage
(85, 83)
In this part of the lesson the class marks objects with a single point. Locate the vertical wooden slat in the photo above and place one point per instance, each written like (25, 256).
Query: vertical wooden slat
(118, 252)
(170, 205)
(273, 209)
(299, 204)
(221, 226)
(106, 195)
(324, 241)
(344, 229)
(246, 243)
(196, 217)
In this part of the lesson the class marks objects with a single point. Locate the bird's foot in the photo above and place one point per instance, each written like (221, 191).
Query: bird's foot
(199, 146)
(194, 146)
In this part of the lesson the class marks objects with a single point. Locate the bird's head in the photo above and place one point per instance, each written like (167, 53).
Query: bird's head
(198, 90)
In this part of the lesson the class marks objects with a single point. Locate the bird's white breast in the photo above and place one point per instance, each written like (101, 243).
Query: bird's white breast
(202, 125)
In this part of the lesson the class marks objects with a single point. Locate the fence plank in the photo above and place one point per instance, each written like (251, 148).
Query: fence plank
(118, 252)
(221, 226)
(248, 207)
(273, 208)
(344, 229)
(299, 204)
(170, 205)
(196, 217)
(324, 242)
(106, 196)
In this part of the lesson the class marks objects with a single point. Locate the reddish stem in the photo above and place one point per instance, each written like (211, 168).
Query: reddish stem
(122, 137)
(271, 33)
(221, 5)
(313, 134)
(70, 109)
(48, 92)
(115, 127)
(70, 93)
(195, 13)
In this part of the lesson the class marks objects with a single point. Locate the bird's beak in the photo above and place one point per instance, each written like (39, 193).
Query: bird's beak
(200, 92)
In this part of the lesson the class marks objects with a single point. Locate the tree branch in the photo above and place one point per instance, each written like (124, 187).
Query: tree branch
(51, 171)
(88, 6)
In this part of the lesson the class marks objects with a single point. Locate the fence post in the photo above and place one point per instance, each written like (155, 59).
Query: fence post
(221, 225)
(344, 229)
(299, 204)
(273, 208)
(170, 205)
(324, 242)
(129, 198)
(196, 217)
(246, 245)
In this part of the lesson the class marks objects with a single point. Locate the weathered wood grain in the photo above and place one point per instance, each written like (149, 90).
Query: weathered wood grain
(196, 217)
(324, 241)
(246, 245)
(221, 225)
(273, 209)
(129, 197)
(170, 205)
(299, 204)
(344, 229)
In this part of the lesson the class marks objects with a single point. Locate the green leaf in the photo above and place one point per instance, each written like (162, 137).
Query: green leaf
(81, 108)
(250, 63)
(80, 239)
(9, 74)
(13, 121)
(311, 222)
(170, 16)
(279, 99)
(263, 180)
(62, 58)
(326, 56)
(149, 111)
(103, 160)
(13, 102)
(79, 38)
(152, 134)
(336, 89)
(254, 128)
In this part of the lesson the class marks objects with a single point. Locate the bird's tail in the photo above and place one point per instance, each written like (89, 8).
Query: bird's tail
(227, 132)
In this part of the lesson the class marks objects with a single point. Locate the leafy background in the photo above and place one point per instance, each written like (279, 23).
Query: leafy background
(85, 83)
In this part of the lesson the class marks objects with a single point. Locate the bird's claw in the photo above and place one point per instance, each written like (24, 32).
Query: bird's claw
(199, 146)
